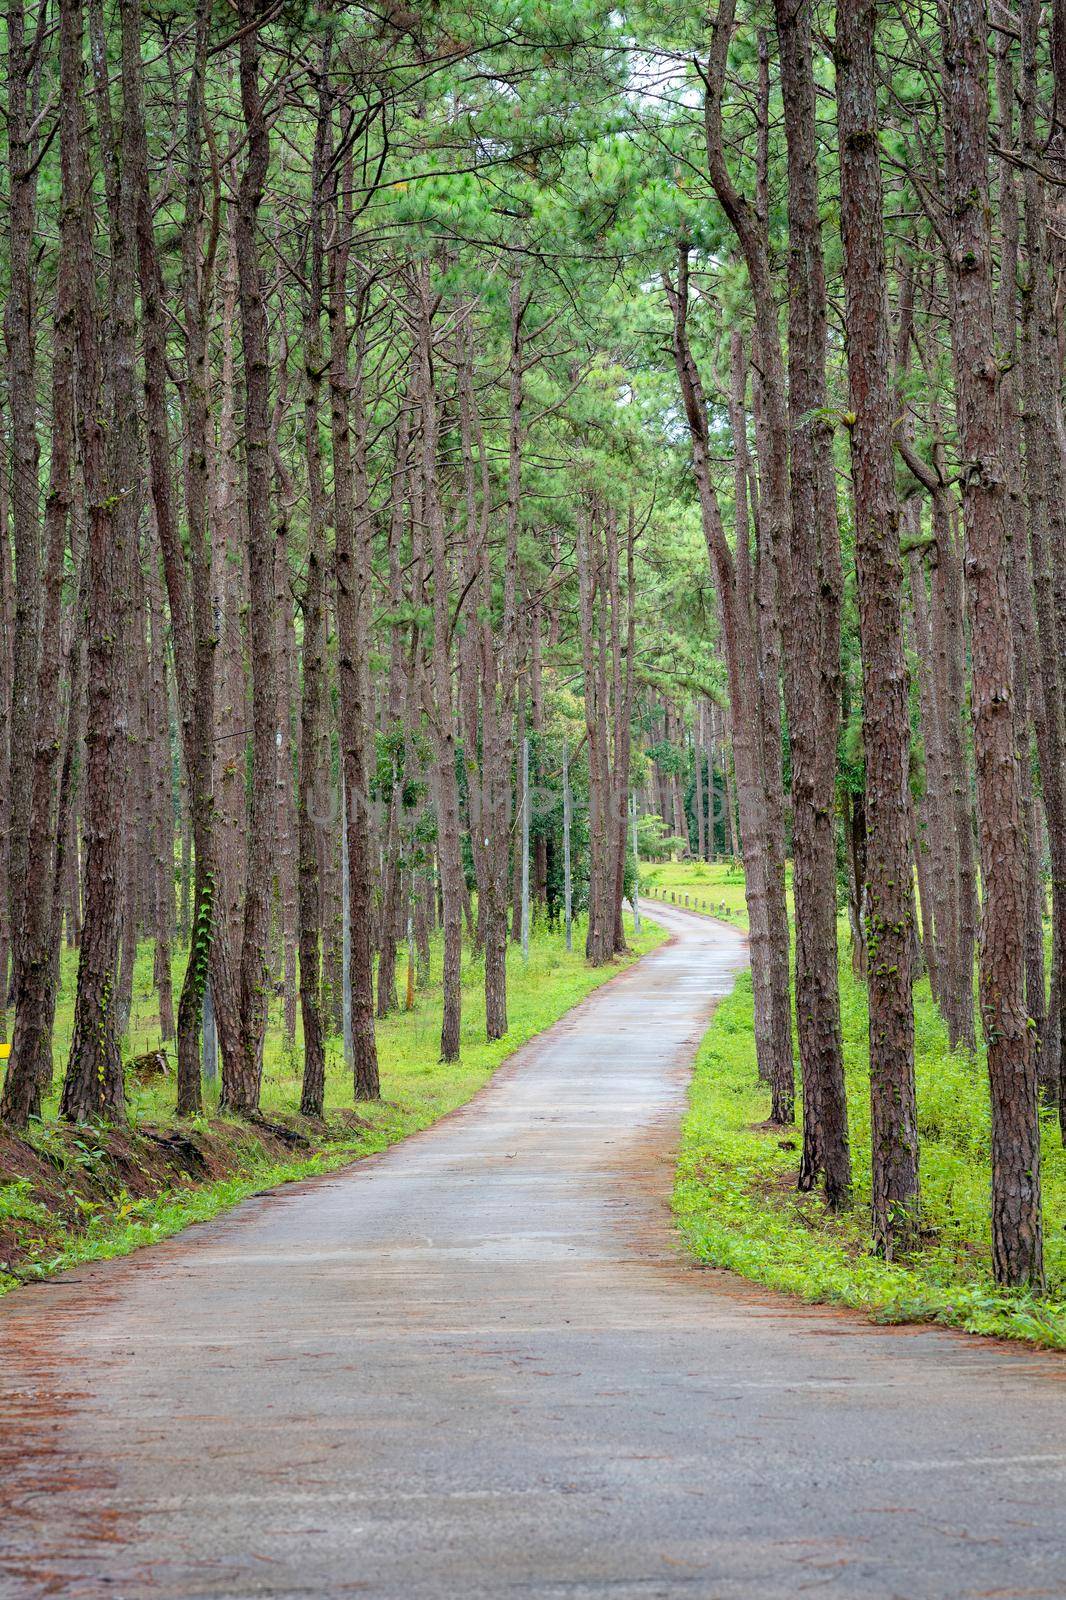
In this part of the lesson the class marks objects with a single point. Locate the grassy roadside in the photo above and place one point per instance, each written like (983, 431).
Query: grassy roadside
(716, 888)
(735, 1196)
(74, 1195)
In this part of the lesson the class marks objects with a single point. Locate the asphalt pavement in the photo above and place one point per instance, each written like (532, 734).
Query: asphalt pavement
(479, 1366)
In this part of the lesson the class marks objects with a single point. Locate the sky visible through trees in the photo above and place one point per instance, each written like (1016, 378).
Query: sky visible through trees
(443, 445)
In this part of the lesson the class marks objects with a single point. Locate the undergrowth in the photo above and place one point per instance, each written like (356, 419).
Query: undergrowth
(738, 1207)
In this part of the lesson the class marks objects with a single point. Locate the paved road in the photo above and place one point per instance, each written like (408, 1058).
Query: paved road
(476, 1367)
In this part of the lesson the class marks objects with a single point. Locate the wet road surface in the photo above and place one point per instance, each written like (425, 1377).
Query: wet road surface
(476, 1366)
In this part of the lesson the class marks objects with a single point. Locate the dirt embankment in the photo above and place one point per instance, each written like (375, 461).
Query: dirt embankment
(59, 1181)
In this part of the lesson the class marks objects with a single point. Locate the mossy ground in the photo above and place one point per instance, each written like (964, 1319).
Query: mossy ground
(735, 1195)
(71, 1195)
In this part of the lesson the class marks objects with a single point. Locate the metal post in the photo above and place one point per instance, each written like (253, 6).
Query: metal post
(410, 957)
(525, 849)
(210, 1044)
(568, 888)
(636, 866)
(346, 936)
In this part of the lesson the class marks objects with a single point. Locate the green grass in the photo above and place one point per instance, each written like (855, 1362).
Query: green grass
(408, 1041)
(118, 1230)
(715, 887)
(735, 1195)
(416, 1087)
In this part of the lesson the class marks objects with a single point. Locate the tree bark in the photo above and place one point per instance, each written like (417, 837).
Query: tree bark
(1017, 1242)
(93, 1086)
(193, 619)
(773, 1032)
(352, 571)
(313, 688)
(29, 1070)
(812, 630)
(886, 730)
(241, 1081)
(229, 603)
(1045, 486)
(823, 1106)
(162, 809)
(20, 339)
(440, 701)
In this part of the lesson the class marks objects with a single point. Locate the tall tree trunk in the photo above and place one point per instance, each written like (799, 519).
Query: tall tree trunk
(1017, 1241)
(936, 843)
(351, 521)
(93, 1086)
(20, 339)
(441, 709)
(622, 694)
(492, 670)
(241, 1083)
(135, 156)
(813, 597)
(162, 809)
(949, 643)
(886, 727)
(7, 621)
(1021, 593)
(1045, 488)
(773, 1032)
(29, 1069)
(594, 601)
(825, 1115)
(313, 696)
(285, 823)
(497, 700)
(229, 602)
(762, 813)
(191, 609)
(395, 735)
(360, 838)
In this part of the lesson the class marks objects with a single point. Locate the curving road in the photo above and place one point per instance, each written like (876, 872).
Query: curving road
(476, 1367)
